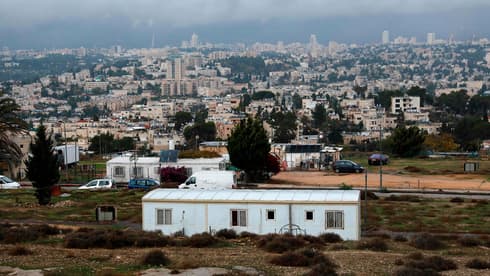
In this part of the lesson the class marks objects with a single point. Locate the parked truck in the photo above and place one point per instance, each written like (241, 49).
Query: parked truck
(70, 154)
(210, 180)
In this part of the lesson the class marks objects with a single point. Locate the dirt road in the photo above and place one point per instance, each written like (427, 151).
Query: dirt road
(402, 181)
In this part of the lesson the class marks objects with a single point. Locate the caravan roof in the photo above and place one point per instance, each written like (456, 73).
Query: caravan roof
(260, 196)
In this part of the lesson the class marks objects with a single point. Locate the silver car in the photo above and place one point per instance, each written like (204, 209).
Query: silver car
(96, 184)
(7, 183)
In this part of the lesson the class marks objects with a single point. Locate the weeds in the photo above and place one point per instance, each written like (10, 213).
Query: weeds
(375, 244)
(155, 258)
(427, 242)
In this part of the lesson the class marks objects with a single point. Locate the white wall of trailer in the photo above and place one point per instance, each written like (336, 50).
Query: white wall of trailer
(121, 168)
(192, 216)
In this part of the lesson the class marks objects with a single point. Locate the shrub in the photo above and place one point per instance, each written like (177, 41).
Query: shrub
(400, 238)
(155, 258)
(477, 264)
(246, 234)
(370, 195)
(301, 257)
(98, 238)
(172, 174)
(10, 233)
(409, 198)
(412, 271)
(226, 234)
(280, 243)
(330, 237)
(201, 240)
(290, 258)
(322, 269)
(19, 251)
(415, 256)
(468, 241)
(456, 200)
(435, 263)
(375, 244)
(426, 241)
(313, 240)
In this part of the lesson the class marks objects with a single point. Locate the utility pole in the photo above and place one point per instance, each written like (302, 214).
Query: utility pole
(381, 119)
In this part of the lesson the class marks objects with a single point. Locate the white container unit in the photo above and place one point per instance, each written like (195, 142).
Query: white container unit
(311, 212)
(124, 168)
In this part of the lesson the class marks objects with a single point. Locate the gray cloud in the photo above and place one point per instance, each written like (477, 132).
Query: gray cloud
(178, 13)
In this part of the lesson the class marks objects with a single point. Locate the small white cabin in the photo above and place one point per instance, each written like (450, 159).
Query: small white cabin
(123, 168)
(311, 212)
(198, 164)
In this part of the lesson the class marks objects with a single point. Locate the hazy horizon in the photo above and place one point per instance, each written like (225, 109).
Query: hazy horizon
(26, 24)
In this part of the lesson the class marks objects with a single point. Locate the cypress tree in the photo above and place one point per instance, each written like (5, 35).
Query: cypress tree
(42, 166)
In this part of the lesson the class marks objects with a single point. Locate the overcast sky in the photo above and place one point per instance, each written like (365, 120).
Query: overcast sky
(171, 18)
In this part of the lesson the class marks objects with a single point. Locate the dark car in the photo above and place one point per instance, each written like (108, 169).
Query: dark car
(143, 183)
(347, 166)
(378, 159)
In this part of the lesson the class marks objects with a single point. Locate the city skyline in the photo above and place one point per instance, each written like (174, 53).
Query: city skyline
(57, 24)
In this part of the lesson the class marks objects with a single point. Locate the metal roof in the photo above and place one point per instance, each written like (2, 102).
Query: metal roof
(259, 196)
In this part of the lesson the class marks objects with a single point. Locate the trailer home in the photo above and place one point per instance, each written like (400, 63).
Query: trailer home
(123, 168)
(311, 212)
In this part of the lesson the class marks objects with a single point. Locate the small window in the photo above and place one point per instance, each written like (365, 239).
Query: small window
(309, 215)
(164, 216)
(138, 171)
(271, 214)
(334, 219)
(119, 171)
(238, 217)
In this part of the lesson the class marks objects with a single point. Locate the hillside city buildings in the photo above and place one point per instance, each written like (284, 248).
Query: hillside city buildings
(137, 92)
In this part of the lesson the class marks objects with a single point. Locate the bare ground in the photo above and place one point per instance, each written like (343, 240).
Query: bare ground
(474, 182)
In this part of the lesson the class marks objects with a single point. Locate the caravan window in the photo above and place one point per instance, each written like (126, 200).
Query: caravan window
(238, 217)
(164, 216)
(119, 171)
(334, 219)
(138, 171)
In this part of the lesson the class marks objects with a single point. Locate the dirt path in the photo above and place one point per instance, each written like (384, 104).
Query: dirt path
(447, 182)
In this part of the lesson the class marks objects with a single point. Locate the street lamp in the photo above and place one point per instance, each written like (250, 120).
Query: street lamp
(65, 155)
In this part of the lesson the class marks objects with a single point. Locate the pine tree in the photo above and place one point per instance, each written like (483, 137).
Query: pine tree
(42, 166)
(248, 147)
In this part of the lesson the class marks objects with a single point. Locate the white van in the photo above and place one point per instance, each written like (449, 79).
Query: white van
(210, 180)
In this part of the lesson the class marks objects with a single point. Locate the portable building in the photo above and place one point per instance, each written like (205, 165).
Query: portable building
(311, 212)
(123, 168)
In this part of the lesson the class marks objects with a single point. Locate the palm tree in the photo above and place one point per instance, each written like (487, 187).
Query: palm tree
(10, 124)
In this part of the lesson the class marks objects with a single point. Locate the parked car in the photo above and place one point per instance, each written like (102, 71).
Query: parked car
(97, 184)
(378, 159)
(347, 166)
(143, 183)
(7, 183)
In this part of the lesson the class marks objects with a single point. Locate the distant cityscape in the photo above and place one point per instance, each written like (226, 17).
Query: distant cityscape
(138, 92)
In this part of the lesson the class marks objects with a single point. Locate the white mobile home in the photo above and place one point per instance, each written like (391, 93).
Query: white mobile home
(123, 168)
(311, 212)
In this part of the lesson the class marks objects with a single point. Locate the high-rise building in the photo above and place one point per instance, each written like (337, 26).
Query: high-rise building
(385, 37)
(314, 47)
(175, 69)
(431, 38)
(194, 41)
